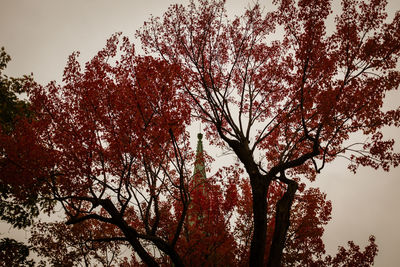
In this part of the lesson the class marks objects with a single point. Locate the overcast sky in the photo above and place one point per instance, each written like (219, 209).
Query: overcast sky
(40, 34)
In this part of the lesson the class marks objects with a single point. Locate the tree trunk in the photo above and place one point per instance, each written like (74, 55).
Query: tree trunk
(282, 222)
(259, 187)
(257, 249)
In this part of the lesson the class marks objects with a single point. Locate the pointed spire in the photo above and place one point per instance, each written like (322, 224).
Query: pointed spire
(199, 172)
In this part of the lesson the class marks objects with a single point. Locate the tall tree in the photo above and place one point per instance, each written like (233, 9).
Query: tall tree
(289, 106)
(110, 145)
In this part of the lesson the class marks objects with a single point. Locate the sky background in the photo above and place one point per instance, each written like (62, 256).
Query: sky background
(41, 34)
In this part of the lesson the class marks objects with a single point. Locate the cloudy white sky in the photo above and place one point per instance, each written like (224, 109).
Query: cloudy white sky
(40, 34)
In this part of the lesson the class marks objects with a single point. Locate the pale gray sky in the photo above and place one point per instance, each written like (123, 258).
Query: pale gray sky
(40, 34)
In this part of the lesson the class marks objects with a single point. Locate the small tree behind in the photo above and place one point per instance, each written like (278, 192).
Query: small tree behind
(286, 107)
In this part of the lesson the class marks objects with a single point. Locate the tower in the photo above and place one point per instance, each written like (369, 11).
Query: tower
(208, 239)
(199, 172)
(198, 185)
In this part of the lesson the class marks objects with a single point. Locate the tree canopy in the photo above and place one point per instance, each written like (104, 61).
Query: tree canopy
(110, 144)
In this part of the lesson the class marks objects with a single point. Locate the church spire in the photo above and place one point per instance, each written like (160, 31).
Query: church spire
(199, 172)
(198, 182)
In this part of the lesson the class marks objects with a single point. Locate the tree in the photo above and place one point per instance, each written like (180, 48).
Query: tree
(110, 145)
(13, 253)
(10, 105)
(18, 212)
(294, 101)
(100, 162)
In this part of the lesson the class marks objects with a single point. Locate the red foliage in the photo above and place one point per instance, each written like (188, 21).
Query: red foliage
(286, 107)
(105, 138)
(110, 145)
